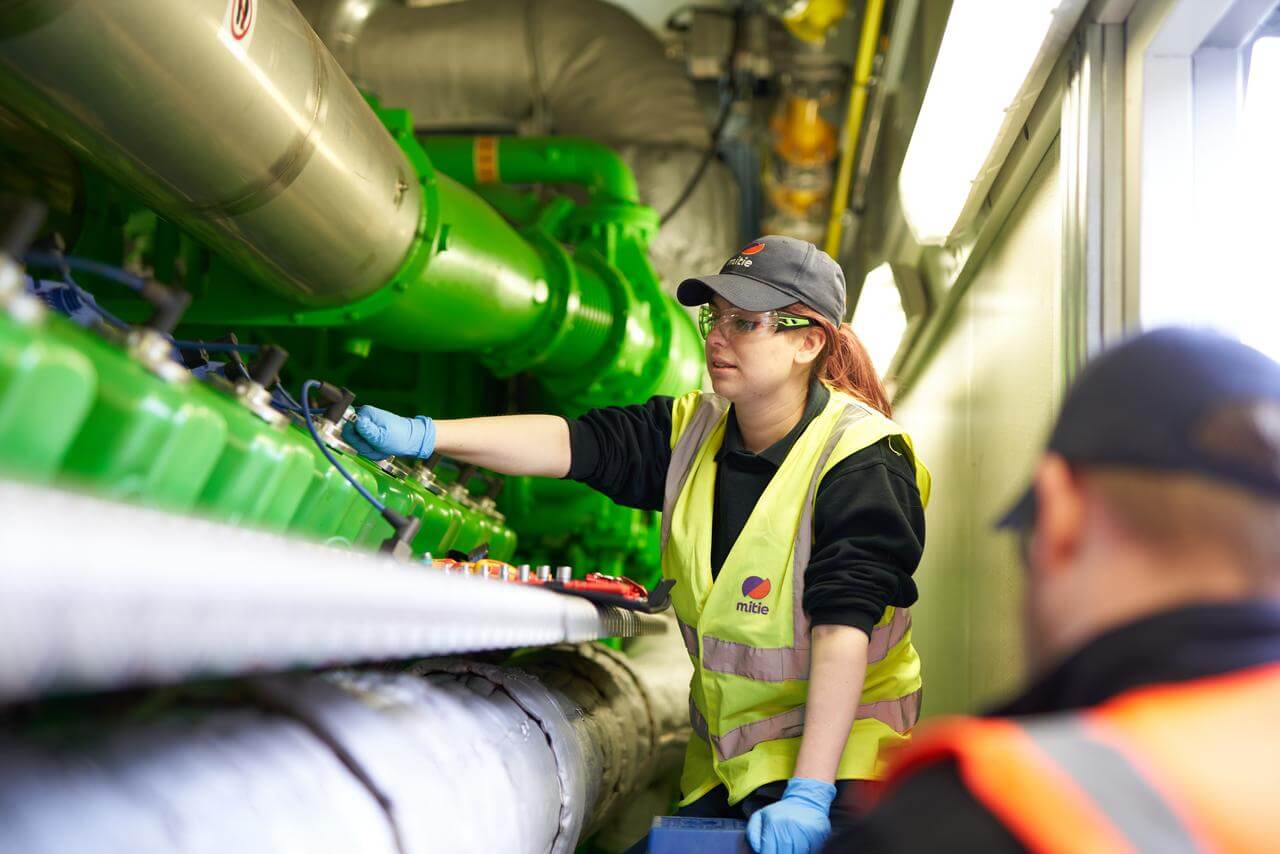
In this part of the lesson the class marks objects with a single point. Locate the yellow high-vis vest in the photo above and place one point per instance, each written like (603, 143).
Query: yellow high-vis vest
(747, 633)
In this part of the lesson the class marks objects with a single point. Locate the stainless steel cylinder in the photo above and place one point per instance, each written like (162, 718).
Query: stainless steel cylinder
(231, 118)
(564, 574)
(524, 573)
(544, 573)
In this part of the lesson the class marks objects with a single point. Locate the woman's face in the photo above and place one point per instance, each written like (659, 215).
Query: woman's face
(756, 364)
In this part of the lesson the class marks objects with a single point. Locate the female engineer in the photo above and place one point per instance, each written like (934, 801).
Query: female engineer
(793, 519)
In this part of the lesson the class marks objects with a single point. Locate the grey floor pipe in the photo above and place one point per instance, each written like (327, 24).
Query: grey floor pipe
(450, 755)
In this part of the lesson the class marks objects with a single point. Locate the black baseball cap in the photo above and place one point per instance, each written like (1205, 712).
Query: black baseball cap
(1154, 402)
(774, 272)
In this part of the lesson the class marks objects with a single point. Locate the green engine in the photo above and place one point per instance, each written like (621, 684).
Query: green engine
(525, 285)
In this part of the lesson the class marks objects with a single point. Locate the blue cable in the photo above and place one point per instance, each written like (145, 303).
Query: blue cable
(85, 265)
(324, 449)
(64, 265)
(284, 392)
(88, 301)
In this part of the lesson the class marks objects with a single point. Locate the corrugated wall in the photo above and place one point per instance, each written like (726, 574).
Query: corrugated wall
(979, 415)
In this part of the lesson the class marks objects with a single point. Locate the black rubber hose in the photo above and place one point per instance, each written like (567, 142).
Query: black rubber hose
(717, 132)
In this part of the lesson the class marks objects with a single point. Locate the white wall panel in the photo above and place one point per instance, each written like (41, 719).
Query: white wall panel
(979, 416)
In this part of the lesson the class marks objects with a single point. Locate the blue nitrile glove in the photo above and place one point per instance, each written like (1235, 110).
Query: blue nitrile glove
(797, 824)
(378, 434)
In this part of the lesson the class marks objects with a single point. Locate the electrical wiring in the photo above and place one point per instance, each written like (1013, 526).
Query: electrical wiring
(722, 121)
(324, 449)
(707, 157)
(65, 263)
(86, 298)
(288, 398)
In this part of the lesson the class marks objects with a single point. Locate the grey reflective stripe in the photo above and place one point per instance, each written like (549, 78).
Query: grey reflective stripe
(735, 742)
(886, 637)
(778, 664)
(804, 531)
(767, 663)
(704, 420)
(1115, 787)
(690, 635)
(698, 722)
(900, 715)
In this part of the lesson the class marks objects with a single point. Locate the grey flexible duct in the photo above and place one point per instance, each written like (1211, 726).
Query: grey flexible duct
(567, 67)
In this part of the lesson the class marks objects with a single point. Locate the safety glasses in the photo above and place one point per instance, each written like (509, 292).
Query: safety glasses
(735, 322)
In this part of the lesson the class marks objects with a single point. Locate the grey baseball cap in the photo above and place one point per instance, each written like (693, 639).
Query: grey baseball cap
(774, 272)
(1172, 400)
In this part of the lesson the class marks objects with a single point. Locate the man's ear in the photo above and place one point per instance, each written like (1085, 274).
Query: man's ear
(1060, 515)
(810, 345)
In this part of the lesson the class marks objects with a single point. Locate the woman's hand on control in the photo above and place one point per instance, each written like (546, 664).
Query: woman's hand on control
(378, 434)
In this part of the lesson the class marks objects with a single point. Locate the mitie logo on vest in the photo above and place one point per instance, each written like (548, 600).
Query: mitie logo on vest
(755, 588)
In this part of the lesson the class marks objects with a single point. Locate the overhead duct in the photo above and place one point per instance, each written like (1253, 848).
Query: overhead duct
(563, 67)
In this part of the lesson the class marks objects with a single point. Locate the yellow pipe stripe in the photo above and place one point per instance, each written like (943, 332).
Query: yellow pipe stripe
(485, 159)
(852, 129)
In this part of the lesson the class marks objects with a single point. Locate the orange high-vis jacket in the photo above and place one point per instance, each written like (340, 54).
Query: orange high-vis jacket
(1189, 766)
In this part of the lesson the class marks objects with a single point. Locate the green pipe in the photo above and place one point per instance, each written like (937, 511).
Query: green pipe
(591, 322)
(534, 160)
(484, 286)
(518, 300)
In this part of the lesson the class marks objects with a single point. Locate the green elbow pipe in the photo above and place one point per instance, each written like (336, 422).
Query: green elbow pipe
(561, 291)
(477, 160)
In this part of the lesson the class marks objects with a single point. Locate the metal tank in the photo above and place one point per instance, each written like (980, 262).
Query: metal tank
(246, 133)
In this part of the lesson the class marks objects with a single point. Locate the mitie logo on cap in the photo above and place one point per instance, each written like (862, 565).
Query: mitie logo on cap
(740, 260)
(755, 588)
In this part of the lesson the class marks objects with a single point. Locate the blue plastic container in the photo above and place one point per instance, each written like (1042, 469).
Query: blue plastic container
(674, 834)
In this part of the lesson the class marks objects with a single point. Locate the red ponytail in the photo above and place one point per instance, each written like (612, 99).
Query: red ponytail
(845, 364)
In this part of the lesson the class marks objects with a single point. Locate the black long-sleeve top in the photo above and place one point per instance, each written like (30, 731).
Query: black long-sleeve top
(868, 517)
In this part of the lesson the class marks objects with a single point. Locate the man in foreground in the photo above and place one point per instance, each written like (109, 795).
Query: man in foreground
(1151, 538)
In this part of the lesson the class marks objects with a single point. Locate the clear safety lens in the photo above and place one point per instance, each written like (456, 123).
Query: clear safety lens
(735, 322)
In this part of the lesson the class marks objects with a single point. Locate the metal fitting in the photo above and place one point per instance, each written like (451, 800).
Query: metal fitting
(544, 573)
(426, 478)
(564, 574)
(489, 507)
(392, 467)
(153, 351)
(331, 433)
(459, 493)
(257, 400)
(24, 308)
(524, 573)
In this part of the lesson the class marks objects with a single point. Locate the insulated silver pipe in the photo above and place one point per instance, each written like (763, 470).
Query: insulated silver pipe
(141, 596)
(454, 756)
(231, 118)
